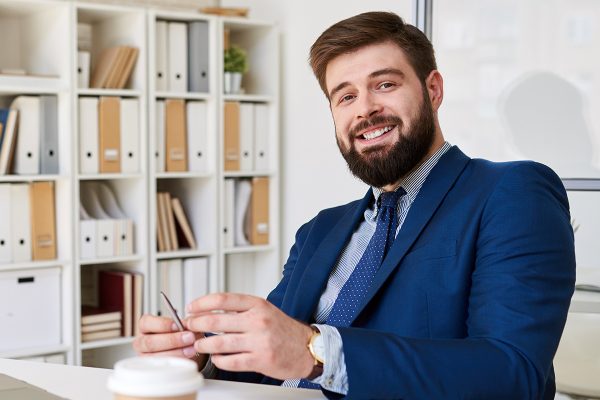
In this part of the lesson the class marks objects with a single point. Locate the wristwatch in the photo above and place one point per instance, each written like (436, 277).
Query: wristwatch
(316, 347)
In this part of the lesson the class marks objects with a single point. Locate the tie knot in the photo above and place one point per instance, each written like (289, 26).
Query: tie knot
(390, 199)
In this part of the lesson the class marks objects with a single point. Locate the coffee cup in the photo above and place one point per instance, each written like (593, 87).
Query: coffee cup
(155, 378)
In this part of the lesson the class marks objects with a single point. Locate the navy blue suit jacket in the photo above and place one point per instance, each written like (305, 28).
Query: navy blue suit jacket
(470, 301)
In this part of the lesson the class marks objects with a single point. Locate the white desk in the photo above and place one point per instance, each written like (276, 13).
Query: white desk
(83, 383)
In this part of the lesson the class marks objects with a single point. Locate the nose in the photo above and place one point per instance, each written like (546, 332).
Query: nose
(369, 106)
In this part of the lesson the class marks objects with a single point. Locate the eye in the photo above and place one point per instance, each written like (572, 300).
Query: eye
(386, 85)
(346, 98)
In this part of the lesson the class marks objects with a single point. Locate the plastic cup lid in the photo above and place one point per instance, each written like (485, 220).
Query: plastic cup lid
(155, 377)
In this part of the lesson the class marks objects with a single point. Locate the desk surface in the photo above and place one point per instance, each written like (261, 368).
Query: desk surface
(83, 383)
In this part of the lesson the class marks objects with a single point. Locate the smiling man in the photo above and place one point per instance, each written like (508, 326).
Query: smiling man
(450, 279)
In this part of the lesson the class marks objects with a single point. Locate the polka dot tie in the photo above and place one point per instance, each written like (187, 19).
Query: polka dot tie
(356, 287)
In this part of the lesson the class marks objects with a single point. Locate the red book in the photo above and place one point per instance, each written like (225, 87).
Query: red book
(115, 294)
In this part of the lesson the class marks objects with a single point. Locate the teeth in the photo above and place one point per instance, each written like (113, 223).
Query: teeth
(377, 133)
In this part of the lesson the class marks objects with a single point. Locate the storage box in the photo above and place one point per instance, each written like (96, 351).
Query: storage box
(30, 310)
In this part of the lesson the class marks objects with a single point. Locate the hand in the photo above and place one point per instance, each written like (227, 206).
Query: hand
(160, 336)
(257, 336)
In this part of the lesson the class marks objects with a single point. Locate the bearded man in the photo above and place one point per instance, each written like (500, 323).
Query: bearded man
(450, 279)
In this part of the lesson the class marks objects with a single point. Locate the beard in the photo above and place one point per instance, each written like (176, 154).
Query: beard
(380, 166)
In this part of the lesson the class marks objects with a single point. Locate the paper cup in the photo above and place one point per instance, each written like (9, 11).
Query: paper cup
(155, 378)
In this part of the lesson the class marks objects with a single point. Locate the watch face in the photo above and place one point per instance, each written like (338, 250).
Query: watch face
(319, 348)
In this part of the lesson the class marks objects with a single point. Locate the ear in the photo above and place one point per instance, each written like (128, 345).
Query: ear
(435, 88)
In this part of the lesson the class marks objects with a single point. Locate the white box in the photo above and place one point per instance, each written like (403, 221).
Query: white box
(30, 316)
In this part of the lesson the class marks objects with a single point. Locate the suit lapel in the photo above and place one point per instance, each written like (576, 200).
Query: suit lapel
(315, 275)
(439, 181)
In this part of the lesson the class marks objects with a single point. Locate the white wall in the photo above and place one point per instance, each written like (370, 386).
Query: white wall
(314, 174)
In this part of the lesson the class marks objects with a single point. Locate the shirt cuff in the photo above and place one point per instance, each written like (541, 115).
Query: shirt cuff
(210, 370)
(334, 377)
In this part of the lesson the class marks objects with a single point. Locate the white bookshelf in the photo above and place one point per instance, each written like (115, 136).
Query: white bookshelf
(253, 269)
(36, 38)
(44, 41)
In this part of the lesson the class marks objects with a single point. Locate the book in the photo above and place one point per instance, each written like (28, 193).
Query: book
(43, 221)
(171, 222)
(182, 223)
(115, 294)
(103, 67)
(96, 315)
(109, 334)
(103, 326)
(128, 68)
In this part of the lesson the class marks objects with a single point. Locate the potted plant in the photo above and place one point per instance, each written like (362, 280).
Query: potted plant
(235, 64)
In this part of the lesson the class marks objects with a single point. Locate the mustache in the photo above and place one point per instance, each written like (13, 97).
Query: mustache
(376, 120)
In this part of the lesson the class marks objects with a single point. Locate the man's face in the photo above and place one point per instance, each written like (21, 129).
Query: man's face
(382, 113)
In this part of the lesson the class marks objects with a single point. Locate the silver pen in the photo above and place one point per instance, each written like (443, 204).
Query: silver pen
(175, 317)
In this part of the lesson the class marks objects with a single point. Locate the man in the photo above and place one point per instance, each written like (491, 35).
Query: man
(451, 278)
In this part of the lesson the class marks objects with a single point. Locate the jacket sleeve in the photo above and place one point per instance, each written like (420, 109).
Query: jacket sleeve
(522, 283)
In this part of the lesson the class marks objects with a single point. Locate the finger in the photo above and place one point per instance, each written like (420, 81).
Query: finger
(235, 362)
(223, 301)
(159, 342)
(153, 324)
(224, 344)
(229, 323)
(186, 352)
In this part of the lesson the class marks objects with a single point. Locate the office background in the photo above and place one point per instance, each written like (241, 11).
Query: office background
(521, 81)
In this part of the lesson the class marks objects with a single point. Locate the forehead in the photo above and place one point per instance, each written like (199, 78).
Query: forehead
(359, 64)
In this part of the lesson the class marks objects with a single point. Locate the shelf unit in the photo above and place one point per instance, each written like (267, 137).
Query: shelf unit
(253, 269)
(39, 43)
(44, 41)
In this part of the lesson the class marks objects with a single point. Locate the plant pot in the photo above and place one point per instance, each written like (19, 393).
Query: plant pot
(232, 82)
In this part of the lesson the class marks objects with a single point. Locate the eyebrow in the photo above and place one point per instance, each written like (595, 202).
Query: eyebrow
(374, 74)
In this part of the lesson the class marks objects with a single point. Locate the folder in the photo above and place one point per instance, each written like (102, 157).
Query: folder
(48, 135)
(231, 145)
(27, 148)
(197, 136)
(20, 222)
(182, 225)
(5, 231)
(161, 56)
(83, 69)
(246, 136)
(43, 221)
(9, 134)
(130, 136)
(195, 278)
(123, 225)
(243, 192)
(87, 235)
(175, 138)
(138, 301)
(175, 287)
(115, 294)
(198, 56)
(177, 51)
(88, 135)
(105, 225)
(259, 211)
(159, 135)
(261, 137)
(228, 210)
(109, 134)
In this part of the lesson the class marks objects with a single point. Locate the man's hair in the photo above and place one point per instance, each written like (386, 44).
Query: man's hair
(370, 28)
